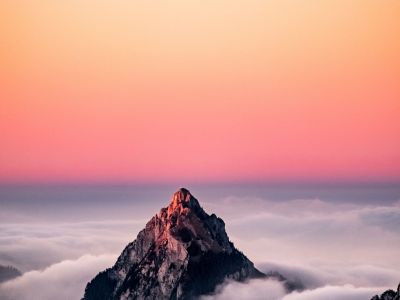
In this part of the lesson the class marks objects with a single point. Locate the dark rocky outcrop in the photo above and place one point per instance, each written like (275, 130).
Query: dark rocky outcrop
(389, 295)
(182, 253)
(8, 273)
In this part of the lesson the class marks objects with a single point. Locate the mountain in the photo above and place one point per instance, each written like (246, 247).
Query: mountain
(389, 295)
(182, 253)
(8, 273)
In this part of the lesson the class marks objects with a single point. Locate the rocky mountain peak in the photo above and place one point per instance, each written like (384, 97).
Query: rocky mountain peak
(182, 201)
(185, 221)
(182, 253)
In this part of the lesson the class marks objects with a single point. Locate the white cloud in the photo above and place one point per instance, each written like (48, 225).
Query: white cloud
(256, 289)
(271, 290)
(23, 245)
(338, 250)
(64, 280)
(358, 275)
(387, 218)
(313, 232)
(346, 292)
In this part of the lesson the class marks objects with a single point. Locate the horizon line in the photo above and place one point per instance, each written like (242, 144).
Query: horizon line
(183, 183)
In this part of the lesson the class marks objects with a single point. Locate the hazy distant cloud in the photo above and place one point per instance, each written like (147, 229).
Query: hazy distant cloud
(64, 280)
(319, 231)
(234, 207)
(36, 246)
(357, 275)
(387, 218)
(310, 277)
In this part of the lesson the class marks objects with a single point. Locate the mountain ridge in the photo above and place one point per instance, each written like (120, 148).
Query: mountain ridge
(182, 253)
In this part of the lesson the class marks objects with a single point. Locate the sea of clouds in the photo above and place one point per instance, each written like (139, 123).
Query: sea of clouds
(339, 250)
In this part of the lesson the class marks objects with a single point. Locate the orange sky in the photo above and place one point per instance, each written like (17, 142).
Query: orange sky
(236, 90)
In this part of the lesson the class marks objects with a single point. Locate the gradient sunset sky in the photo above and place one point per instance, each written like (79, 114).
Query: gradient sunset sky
(200, 91)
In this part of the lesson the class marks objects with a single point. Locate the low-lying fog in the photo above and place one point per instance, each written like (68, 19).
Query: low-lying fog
(341, 242)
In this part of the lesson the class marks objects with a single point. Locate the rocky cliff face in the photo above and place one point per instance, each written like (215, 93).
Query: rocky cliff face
(181, 253)
(389, 295)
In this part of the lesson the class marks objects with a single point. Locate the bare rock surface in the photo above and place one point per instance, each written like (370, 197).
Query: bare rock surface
(182, 253)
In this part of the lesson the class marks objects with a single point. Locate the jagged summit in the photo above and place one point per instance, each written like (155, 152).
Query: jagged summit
(181, 200)
(181, 253)
(182, 194)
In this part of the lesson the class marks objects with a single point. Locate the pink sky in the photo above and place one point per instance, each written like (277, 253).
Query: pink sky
(155, 91)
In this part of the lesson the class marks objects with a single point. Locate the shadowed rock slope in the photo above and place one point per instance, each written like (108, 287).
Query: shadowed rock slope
(182, 253)
(389, 295)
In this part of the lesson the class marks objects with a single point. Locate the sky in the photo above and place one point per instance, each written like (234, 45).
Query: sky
(200, 91)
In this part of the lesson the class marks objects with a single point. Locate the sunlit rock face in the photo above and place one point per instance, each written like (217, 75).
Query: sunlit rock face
(181, 253)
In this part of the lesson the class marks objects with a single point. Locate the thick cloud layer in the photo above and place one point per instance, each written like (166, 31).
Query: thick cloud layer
(313, 232)
(339, 249)
(36, 246)
(359, 275)
(256, 289)
(346, 292)
(270, 290)
(64, 280)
